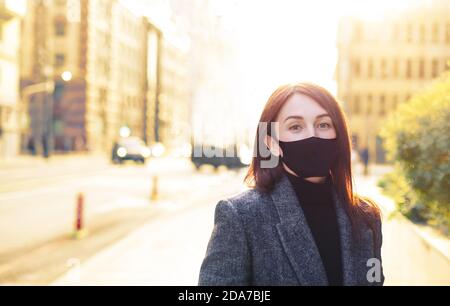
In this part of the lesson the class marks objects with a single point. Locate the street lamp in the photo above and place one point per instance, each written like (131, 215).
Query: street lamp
(66, 76)
(125, 132)
(158, 150)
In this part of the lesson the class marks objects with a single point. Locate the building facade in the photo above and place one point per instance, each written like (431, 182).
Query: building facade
(175, 98)
(93, 51)
(11, 13)
(382, 63)
(152, 82)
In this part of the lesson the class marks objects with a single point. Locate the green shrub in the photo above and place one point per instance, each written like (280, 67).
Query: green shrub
(417, 139)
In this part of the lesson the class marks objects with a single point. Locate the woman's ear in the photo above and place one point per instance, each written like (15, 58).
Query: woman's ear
(273, 146)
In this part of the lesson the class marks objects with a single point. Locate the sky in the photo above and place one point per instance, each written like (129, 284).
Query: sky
(281, 41)
(288, 41)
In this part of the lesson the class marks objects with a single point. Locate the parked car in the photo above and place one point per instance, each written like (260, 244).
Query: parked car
(130, 148)
(237, 161)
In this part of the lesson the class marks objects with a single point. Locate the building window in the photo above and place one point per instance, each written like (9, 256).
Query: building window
(384, 73)
(356, 105)
(60, 28)
(369, 104)
(435, 68)
(447, 33)
(60, 60)
(422, 68)
(1, 29)
(394, 102)
(1, 122)
(370, 69)
(395, 68)
(382, 105)
(348, 105)
(409, 33)
(396, 32)
(422, 33)
(358, 33)
(435, 33)
(356, 64)
(409, 69)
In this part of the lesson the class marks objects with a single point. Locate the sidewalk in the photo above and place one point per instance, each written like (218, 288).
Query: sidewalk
(412, 254)
(166, 251)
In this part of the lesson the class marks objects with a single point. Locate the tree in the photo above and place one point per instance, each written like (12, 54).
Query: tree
(417, 139)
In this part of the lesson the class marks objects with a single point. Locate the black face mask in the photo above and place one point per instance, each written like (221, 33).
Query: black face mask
(311, 157)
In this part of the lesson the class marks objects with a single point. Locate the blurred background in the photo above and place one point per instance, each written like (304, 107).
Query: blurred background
(105, 106)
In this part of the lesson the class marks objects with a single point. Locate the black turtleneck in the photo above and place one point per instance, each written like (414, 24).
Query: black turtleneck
(317, 204)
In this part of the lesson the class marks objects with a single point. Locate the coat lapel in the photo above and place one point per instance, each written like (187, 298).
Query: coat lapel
(345, 232)
(298, 241)
(296, 237)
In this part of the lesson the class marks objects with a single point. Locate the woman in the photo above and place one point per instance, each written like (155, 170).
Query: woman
(300, 223)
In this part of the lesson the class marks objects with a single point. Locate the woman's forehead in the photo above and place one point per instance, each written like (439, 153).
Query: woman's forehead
(301, 106)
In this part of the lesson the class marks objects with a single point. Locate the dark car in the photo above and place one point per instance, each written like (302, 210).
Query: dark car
(130, 148)
(237, 161)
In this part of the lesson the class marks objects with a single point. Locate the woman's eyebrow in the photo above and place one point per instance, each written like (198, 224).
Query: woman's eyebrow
(301, 118)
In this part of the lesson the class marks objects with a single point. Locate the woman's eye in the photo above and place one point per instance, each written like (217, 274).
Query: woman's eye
(295, 127)
(325, 125)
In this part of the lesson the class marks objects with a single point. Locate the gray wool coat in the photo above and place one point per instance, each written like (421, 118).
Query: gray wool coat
(263, 240)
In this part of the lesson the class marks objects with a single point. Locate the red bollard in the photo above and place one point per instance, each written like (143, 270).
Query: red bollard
(79, 218)
(80, 206)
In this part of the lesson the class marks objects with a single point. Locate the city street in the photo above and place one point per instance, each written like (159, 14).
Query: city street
(134, 240)
(37, 208)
